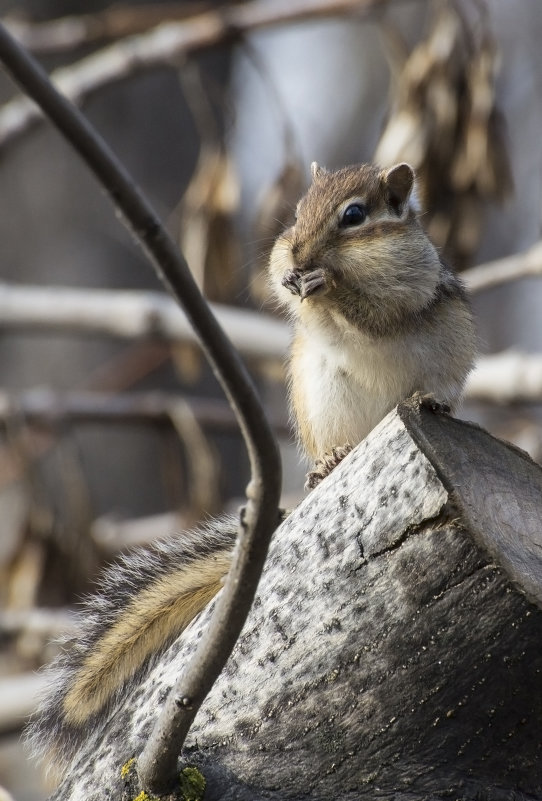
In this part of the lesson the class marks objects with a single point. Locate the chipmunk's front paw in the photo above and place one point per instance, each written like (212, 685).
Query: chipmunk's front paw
(292, 281)
(313, 282)
(325, 465)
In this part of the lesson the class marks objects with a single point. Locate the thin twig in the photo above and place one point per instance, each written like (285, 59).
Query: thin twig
(133, 314)
(66, 34)
(158, 761)
(502, 271)
(167, 45)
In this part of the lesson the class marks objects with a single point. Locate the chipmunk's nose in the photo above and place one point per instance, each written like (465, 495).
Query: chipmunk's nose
(303, 260)
(305, 256)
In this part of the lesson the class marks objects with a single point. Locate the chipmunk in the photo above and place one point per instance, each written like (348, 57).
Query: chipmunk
(377, 314)
(378, 317)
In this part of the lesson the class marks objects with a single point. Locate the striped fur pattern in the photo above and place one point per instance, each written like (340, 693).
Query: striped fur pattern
(142, 604)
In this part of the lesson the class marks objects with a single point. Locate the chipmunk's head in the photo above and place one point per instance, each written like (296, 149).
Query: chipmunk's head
(359, 225)
(353, 205)
(375, 191)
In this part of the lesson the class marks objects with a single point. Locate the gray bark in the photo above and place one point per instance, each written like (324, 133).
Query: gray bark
(393, 650)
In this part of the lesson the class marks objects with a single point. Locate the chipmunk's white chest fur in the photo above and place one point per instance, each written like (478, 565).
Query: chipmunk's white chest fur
(344, 382)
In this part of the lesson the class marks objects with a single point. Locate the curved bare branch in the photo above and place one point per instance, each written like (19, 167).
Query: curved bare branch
(159, 760)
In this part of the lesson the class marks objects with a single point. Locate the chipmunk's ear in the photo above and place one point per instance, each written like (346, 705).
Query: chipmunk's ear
(399, 181)
(316, 170)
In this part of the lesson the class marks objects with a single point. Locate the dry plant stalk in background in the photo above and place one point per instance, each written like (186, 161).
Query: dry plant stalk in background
(446, 123)
(207, 229)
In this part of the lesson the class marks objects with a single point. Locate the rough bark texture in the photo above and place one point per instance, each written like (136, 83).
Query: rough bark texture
(391, 652)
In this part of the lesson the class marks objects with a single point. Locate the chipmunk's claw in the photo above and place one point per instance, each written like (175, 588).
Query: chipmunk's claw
(312, 283)
(292, 281)
(326, 463)
(429, 401)
(305, 284)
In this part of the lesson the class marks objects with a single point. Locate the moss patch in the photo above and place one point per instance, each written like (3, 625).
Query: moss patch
(126, 768)
(192, 783)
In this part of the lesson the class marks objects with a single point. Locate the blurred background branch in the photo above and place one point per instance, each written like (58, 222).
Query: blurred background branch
(167, 45)
(133, 314)
(74, 32)
(47, 408)
(502, 271)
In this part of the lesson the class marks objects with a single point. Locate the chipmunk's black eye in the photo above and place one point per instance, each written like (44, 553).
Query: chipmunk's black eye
(354, 214)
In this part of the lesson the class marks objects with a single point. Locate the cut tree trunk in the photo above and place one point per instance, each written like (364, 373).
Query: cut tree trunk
(394, 649)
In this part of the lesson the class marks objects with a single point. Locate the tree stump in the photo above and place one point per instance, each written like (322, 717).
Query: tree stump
(394, 648)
